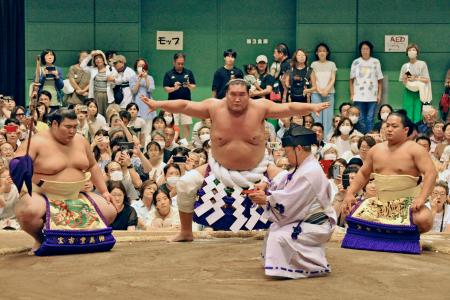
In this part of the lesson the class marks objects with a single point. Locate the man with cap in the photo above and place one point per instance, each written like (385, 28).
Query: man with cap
(122, 91)
(265, 80)
(298, 204)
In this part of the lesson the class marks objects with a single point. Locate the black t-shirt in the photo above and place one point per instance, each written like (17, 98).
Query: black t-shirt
(127, 217)
(285, 66)
(173, 76)
(266, 79)
(221, 78)
(299, 79)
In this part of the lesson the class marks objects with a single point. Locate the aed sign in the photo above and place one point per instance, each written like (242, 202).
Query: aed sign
(395, 43)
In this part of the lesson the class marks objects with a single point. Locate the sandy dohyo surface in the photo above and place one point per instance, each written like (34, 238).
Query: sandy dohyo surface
(142, 266)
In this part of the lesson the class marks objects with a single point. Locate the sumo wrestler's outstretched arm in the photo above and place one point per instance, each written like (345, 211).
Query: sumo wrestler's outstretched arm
(284, 110)
(190, 108)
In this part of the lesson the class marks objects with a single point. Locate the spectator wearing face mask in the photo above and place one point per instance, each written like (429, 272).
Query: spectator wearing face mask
(354, 150)
(114, 172)
(383, 113)
(330, 152)
(341, 136)
(416, 79)
(170, 122)
(203, 136)
(354, 115)
(197, 126)
(142, 84)
(159, 137)
(172, 173)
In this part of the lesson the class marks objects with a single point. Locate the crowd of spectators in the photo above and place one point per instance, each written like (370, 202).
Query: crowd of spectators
(143, 154)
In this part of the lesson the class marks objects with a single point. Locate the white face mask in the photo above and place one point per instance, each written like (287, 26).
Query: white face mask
(345, 130)
(205, 137)
(384, 116)
(172, 180)
(168, 120)
(354, 119)
(314, 150)
(161, 144)
(354, 147)
(412, 53)
(329, 156)
(139, 70)
(116, 176)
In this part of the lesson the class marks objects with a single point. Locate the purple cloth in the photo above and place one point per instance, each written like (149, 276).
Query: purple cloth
(21, 170)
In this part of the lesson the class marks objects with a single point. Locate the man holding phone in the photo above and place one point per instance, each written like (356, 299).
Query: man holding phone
(179, 82)
(238, 147)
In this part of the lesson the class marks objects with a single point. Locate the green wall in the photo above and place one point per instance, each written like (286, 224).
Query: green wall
(211, 26)
(348, 22)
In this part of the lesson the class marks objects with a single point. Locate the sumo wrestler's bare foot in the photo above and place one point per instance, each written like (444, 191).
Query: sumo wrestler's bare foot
(182, 237)
(36, 246)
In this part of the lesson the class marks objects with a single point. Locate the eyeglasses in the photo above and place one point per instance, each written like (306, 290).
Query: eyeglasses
(439, 194)
(20, 114)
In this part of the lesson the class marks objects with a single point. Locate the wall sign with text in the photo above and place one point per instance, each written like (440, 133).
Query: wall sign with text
(395, 43)
(169, 40)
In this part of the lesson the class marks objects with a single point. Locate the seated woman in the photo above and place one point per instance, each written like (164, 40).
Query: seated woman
(172, 173)
(8, 197)
(127, 218)
(170, 122)
(165, 216)
(144, 207)
(100, 147)
(203, 136)
(154, 154)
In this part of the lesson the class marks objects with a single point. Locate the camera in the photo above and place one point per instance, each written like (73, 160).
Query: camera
(336, 171)
(345, 181)
(179, 159)
(274, 145)
(126, 147)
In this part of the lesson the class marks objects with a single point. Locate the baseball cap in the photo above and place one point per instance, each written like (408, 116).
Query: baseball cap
(261, 58)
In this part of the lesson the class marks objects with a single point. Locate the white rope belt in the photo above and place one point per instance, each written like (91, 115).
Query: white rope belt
(243, 179)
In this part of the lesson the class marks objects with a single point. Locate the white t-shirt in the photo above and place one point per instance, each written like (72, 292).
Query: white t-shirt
(366, 74)
(323, 72)
(440, 219)
(419, 68)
